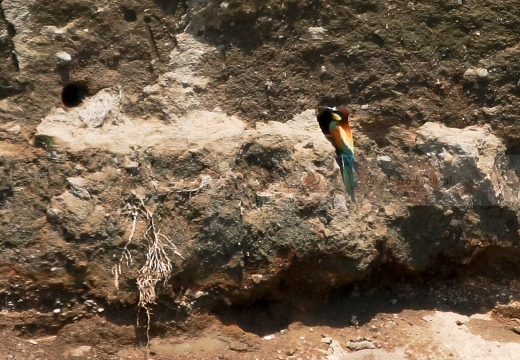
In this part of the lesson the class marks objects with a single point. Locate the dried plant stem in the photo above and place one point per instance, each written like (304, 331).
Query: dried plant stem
(158, 265)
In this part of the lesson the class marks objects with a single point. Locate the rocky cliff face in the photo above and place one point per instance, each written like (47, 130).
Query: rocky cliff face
(141, 134)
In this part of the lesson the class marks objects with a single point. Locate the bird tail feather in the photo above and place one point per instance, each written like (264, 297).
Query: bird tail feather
(348, 173)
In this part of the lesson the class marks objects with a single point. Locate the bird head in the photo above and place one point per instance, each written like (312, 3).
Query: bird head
(329, 114)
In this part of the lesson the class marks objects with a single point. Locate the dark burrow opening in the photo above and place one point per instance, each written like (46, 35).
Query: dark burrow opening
(129, 15)
(513, 155)
(73, 94)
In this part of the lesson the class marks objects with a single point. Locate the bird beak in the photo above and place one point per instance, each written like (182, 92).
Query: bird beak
(336, 117)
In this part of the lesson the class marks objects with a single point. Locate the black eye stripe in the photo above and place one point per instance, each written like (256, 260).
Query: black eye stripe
(324, 119)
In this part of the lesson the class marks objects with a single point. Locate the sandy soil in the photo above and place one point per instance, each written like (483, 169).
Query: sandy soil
(357, 323)
(408, 334)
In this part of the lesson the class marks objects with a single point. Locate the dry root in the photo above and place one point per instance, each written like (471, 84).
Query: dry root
(158, 265)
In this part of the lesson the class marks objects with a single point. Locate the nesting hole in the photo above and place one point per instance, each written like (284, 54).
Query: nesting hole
(73, 94)
(513, 155)
(129, 15)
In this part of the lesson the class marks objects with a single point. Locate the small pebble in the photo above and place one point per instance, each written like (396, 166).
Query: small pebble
(290, 352)
(64, 56)
(89, 303)
(360, 345)
(56, 311)
(52, 30)
(33, 342)
(472, 73)
(469, 73)
(482, 73)
(199, 294)
(130, 165)
(326, 340)
(257, 278)
(268, 337)
(80, 351)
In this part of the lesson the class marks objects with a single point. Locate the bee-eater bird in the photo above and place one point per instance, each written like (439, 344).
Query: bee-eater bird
(334, 124)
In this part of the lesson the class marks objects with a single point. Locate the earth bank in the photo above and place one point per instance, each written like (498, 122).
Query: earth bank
(199, 116)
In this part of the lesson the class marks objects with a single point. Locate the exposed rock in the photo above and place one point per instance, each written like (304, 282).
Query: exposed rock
(199, 294)
(472, 73)
(203, 113)
(175, 91)
(386, 164)
(17, 13)
(492, 111)
(340, 202)
(326, 340)
(9, 131)
(238, 346)
(80, 351)
(317, 33)
(466, 159)
(336, 352)
(264, 198)
(50, 30)
(290, 352)
(205, 129)
(77, 215)
(101, 108)
(482, 73)
(360, 345)
(130, 165)
(511, 310)
(79, 187)
(64, 56)
(257, 278)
